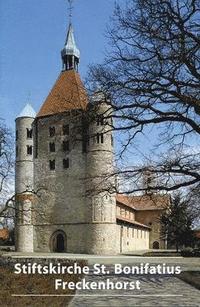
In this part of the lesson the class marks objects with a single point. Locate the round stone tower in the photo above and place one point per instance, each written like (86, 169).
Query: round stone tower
(100, 185)
(24, 179)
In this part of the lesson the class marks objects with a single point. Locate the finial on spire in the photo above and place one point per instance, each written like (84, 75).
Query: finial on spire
(70, 53)
(70, 10)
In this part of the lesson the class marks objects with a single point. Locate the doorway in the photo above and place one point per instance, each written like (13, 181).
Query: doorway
(156, 245)
(58, 242)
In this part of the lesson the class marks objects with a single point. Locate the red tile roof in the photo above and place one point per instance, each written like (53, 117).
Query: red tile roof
(68, 93)
(144, 202)
(4, 234)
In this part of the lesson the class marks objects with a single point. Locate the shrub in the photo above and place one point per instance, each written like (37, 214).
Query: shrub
(196, 252)
(187, 252)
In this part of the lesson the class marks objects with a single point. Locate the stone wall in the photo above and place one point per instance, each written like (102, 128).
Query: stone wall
(132, 238)
(23, 182)
(125, 212)
(75, 237)
(101, 238)
(151, 219)
(62, 197)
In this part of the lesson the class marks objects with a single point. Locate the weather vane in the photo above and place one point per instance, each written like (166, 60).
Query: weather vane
(70, 9)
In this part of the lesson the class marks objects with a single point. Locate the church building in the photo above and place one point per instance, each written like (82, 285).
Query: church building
(60, 157)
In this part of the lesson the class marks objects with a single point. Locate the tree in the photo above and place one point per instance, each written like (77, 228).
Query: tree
(6, 174)
(152, 75)
(177, 223)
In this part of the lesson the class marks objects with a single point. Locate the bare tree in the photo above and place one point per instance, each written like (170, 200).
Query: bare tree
(6, 173)
(152, 75)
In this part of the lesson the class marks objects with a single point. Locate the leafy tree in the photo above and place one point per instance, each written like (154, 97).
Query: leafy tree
(152, 75)
(177, 223)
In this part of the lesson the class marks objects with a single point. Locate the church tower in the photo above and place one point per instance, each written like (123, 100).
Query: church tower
(59, 160)
(74, 209)
(67, 161)
(102, 230)
(24, 179)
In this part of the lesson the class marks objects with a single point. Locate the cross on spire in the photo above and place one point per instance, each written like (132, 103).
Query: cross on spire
(70, 9)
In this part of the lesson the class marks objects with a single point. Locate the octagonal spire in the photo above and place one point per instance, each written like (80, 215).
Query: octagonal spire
(70, 53)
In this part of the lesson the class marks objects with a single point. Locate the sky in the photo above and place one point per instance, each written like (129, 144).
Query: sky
(32, 34)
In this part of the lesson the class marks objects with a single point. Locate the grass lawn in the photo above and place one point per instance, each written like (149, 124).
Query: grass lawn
(162, 254)
(11, 283)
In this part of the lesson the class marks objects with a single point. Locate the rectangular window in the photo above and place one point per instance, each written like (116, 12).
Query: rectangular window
(16, 136)
(52, 131)
(100, 138)
(16, 151)
(29, 150)
(52, 147)
(52, 165)
(65, 145)
(88, 140)
(132, 232)
(85, 143)
(29, 133)
(100, 121)
(66, 130)
(112, 142)
(65, 163)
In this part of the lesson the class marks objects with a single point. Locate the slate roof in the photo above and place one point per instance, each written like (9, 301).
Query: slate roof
(70, 47)
(27, 111)
(68, 93)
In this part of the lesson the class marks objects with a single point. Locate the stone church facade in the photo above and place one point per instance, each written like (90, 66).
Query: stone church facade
(63, 189)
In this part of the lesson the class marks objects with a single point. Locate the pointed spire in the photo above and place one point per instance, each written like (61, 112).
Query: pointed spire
(70, 47)
(27, 111)
(70, 53)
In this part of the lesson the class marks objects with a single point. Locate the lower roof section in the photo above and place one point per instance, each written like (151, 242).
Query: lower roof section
(123, 219)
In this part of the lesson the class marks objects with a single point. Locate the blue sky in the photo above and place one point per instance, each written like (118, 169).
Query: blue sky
(32, 33)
